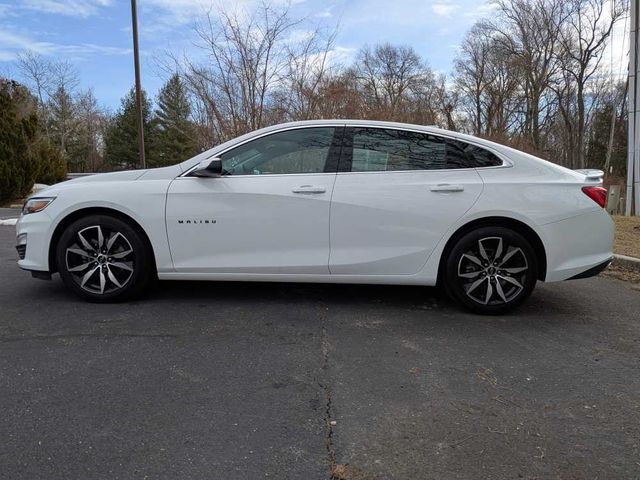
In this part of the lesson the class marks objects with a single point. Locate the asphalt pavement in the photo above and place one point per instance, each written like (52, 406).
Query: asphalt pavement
(252, 381)
(9, 213)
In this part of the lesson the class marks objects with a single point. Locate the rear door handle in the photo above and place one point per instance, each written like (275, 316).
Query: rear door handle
(446, 188)
(309, 189)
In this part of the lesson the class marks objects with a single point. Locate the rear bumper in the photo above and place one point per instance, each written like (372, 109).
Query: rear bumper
(593, 271)
(578, 245)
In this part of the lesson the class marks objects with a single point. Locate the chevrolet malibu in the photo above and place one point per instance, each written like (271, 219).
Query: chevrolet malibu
(328, 201)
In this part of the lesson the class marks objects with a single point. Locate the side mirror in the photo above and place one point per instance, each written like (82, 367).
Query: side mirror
(211, 168)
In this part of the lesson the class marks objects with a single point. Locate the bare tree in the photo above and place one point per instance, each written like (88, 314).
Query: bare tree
(449, 102)
(307, 68)
(61, 105)
(55, 84)
(528, 31)
(583, 38)
(387, 76)
(71, 119)
(472, 77)
(36, 70)
(489, 79)
(247, 58)
(340, 97)
(88, 151)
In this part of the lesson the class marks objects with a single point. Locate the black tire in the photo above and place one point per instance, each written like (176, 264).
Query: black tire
(119, 268)
(487, 278)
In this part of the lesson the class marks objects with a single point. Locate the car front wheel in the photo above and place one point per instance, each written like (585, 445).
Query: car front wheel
(103, 259)
(491, 270)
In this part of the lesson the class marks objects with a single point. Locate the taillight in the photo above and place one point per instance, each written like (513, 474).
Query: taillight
(597, 194)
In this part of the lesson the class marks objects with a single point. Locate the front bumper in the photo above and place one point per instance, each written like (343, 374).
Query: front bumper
(22, 240)
(32, 241)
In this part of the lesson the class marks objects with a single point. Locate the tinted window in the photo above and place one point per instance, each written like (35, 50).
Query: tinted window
(465, 155)
(483, 158)
(293, 151)
(376, 149)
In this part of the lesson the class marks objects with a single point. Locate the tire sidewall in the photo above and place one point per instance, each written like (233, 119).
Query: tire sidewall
(454, 287)
(142, 263)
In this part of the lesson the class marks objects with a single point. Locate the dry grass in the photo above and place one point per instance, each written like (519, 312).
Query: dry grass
(627, 236)
(347, 472)
(625, 274)
(627, 242)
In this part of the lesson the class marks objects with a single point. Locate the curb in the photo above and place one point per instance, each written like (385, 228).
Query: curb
(631, 263)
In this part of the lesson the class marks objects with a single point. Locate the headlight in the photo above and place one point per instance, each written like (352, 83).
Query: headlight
(34, 205)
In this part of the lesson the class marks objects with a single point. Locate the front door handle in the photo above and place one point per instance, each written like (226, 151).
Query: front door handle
(309, 189)
(446, 188)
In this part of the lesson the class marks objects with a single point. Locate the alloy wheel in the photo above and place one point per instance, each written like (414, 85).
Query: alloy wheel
(100, 260)
(493, 272)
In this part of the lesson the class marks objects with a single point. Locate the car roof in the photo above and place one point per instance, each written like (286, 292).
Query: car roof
(348, 122)
(380, 123)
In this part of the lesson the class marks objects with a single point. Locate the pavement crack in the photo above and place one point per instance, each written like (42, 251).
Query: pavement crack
(328, 405)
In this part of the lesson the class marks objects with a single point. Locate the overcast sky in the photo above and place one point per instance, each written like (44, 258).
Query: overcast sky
(95, 35)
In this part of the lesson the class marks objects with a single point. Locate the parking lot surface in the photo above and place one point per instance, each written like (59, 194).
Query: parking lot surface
(244, 381)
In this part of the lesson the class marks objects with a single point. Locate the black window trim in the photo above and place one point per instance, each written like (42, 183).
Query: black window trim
(347, 151)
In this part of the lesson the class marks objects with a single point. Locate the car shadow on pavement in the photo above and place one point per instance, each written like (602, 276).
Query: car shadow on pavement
(409, 296)
(546, 302)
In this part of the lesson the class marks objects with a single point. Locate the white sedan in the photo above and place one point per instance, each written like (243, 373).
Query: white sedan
(328, 201)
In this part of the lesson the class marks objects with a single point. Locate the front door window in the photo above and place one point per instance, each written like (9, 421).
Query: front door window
(299, 151)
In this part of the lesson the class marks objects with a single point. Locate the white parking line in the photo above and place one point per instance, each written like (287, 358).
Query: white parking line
(8, 221)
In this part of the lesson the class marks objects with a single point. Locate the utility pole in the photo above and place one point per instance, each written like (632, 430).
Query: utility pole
(633, 152)
(136, 62)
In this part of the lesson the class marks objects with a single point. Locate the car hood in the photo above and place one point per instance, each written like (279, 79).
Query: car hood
(167, 173)
(108, 177)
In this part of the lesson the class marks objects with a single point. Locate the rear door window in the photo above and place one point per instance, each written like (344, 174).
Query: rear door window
(379, 149)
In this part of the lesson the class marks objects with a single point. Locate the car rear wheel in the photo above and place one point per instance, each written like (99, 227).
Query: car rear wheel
(491, 270)
(103, 259)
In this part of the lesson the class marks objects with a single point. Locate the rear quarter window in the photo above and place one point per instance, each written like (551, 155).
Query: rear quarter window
(465, 155)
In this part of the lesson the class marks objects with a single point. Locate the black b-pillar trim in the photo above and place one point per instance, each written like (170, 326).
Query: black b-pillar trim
(335, 150)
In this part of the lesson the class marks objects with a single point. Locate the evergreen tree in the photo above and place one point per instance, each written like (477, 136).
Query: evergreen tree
(18, 130)
(176, 134)
(121, 140)
(51, 166)
(26, 155)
